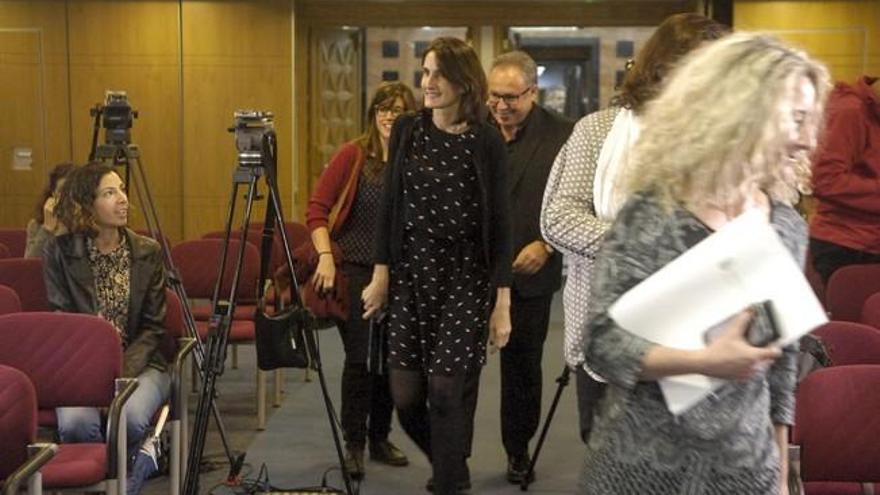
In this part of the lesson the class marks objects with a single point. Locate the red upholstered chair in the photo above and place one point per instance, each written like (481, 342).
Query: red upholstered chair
(15, 240)
(20, 457)
(836, 416)
(848, 288)
(74, 360)
(4, 251)
(9, 301)
(198, 262)
(850, 343)
(871, 311)
(25, 276)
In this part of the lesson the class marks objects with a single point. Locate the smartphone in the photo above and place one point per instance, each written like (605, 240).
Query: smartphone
(763, 330)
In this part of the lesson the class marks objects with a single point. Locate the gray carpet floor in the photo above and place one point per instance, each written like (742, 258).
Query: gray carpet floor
(296, 448)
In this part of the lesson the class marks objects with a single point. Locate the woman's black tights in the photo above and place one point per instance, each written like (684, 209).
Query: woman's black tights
(437, 412)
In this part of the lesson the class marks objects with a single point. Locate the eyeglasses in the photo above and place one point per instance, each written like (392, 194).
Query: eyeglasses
(509, 100)
(393, 110)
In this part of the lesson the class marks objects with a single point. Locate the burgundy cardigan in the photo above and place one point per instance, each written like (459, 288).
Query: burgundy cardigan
(349, 159)
(846, 173)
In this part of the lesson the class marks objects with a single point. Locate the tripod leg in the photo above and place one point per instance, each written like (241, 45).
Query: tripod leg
(562, 381)
(131, 159)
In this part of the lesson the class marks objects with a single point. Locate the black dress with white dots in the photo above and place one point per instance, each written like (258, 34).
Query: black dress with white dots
(440, 290)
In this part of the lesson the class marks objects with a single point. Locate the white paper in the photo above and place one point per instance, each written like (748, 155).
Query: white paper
(742, 263)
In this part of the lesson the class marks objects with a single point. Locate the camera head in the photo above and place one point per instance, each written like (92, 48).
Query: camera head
(250, 126)
(117, 117)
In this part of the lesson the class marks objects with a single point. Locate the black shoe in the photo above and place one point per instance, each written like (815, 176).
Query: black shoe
(518, 468)
(354, 462)
(386, 452)
(463, 484)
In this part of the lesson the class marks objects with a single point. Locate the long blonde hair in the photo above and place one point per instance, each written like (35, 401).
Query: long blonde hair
(715, 128)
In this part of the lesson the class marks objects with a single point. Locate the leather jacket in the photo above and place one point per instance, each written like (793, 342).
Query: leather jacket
(70, 287)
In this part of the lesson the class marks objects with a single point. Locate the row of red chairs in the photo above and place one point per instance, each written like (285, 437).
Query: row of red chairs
(52, 361)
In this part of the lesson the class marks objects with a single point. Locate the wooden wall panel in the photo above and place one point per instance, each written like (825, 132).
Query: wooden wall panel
(845, 34)
(33, 101)
(132, 46)
(237, 55)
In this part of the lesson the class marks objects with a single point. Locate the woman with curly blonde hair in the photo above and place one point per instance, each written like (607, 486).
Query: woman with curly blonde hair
(583, 194)
(761, 104)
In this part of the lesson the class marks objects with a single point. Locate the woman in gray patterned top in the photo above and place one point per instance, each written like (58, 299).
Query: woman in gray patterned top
(572, 216)
(760, 104)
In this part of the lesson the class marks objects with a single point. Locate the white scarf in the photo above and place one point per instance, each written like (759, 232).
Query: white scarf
(613, 163)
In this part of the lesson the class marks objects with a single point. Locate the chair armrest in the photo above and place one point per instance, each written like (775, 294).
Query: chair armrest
(124, 388)
(185, 346)
(40, 454)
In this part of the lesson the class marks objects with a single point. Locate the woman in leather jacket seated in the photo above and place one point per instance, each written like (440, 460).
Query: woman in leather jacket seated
(101, 267)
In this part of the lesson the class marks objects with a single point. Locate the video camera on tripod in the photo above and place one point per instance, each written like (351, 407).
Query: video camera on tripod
(250, 128)
(118, 117)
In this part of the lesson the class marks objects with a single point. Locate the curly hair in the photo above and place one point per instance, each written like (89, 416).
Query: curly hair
(675, 37)
(459, 64)
(718, 127)
(75, 207)
(385, 94)
(57, 173)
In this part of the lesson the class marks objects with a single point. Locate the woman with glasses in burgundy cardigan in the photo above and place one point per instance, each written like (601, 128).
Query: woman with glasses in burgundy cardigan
(353, 181)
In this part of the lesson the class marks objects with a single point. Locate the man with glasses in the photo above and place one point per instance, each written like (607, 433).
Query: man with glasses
(534, 136)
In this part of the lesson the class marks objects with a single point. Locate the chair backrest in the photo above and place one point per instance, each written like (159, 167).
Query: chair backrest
(836, 414)
(18, 419)
(15, 240)
(255, 237)
(871, 311)
(9, 301)
(297, 234)
(199, 261)
(72, 359)
(850, 343)
(4, 251)
(25, 276)
(848, 288)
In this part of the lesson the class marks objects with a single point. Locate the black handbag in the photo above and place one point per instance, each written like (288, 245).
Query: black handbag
(286, 340)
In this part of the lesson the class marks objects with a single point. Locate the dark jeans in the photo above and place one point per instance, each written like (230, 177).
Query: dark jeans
(828, 257)
(364, 394)
(589, 393)
(437, 412)
(521, 376)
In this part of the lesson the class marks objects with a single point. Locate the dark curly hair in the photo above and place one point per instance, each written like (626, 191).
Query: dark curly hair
(57, 173)
(75, 203)
(459, 64)
(674, 37)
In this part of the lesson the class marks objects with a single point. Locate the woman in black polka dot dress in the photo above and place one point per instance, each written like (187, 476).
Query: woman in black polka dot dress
(444, 258)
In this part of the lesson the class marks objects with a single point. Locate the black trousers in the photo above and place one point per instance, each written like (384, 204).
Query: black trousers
(828, 257)
(366, 396)
(521, 375)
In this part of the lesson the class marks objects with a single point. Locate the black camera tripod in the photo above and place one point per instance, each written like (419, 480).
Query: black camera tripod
(123, 153)
(252, 166)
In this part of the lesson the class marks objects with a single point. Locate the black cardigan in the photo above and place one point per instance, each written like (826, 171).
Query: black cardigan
(490, 162)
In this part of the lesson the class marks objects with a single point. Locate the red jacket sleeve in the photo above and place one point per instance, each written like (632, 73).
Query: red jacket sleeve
(836, 176)
(330, 186)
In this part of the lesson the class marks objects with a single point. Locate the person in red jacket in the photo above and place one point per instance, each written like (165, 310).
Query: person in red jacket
(845, 229)
(353, 179)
